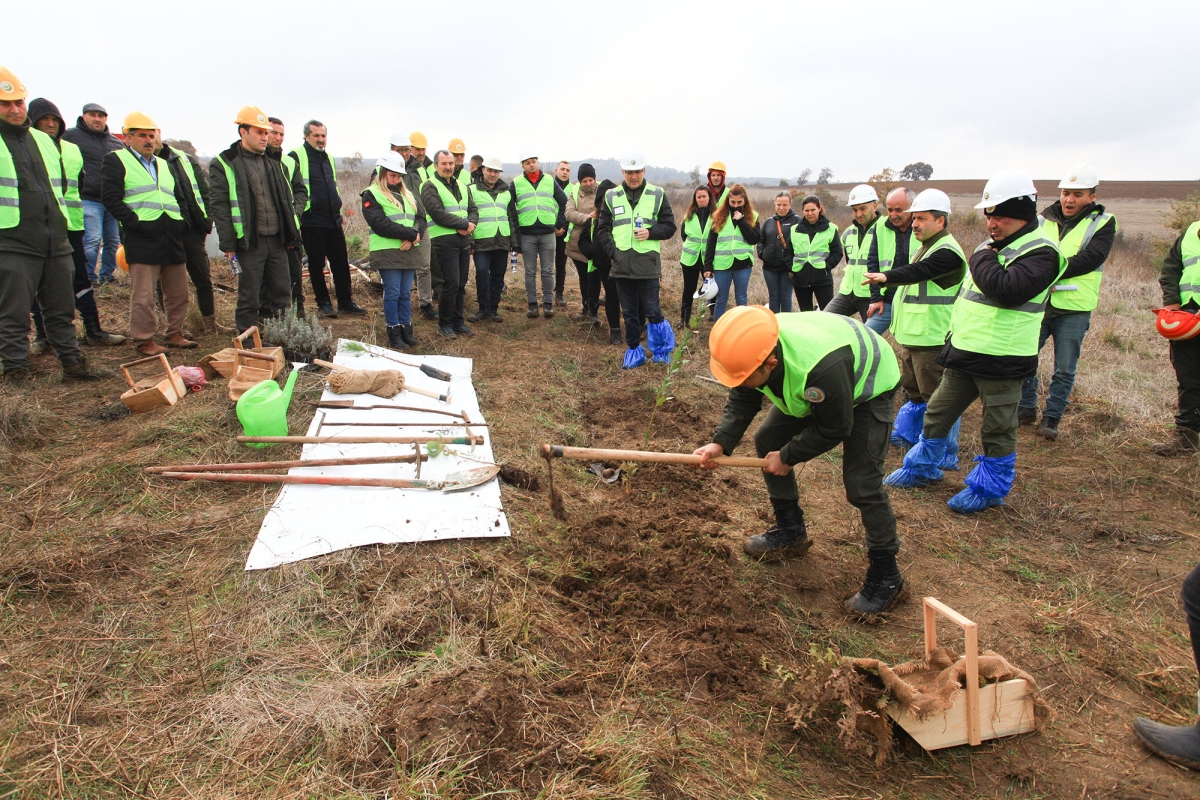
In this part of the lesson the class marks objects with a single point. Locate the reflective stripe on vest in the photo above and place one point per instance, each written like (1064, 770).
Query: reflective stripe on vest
(808, 338)
(146, 197)
(72, 161)
(1082, 293)
(235, 210)
(535, 203)
(886, 248)
(695, 239)
(731, 245)
(857, 245)
(979, 324)
(811, 249)
(300, 154)
(921, 312)
(452, 205)
(1189, 281)
(623, 217)
(191, 174)
(399, 214)
(10, 199)
(493, 214)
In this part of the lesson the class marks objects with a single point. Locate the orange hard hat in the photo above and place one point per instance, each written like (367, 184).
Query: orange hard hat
(121, 261)
(11, 87)
(1177, 325)
(457, 146)
(254, 117)
(740, 342)
(717, 166)
(418, 140)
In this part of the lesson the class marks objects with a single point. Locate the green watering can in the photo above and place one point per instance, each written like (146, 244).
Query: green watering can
(262, 410)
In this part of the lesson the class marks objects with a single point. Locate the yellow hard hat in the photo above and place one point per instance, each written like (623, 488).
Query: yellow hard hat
(740, 342)
(136, 120)
(417, 139)
(719, 166)
(457, 146)
(254, 117)
(11, 87)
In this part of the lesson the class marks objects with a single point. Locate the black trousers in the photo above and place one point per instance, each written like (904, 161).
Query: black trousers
(848, 305)
(596, 279)
(489, 279)
(805, 295)
(81, 284)
(199, 271)
(327, 243)
(1191, 607)
(1185, 358)
(455, 266)
(691, 278)
(296, 268)
(639, 305)
(560, 264)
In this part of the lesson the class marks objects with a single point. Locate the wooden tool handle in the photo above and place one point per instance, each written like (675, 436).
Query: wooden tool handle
(252, 354)
(160, 358)
(309, 480)
(597, 454)
(327, 364)
(310, 462)
(239, 341)
(361, 439)
(933, 607)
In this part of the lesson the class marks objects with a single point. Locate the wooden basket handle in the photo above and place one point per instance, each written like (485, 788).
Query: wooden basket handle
(240, 354)
(933, 607)
(160, 357)
(239, 341)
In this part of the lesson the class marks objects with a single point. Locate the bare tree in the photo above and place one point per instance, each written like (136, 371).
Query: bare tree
(826, 176)
(805, 174)
(695, 174)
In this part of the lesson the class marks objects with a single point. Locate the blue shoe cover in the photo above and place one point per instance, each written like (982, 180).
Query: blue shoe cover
(951, 459)
(909, 421)
(987, 484)
(920, 464)
(634, 357)
(660, 338)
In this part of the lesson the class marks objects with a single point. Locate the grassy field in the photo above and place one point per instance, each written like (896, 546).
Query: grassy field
(629, 651)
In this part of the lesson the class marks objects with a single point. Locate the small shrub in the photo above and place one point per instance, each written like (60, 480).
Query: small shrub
(1183, 212)
(304, 335)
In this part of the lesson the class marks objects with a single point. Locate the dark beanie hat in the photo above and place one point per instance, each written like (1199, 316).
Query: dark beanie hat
(1022, 208)
(585, 171)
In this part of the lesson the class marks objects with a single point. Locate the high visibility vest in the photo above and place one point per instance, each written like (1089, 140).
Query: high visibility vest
(493, 212)
(398, 213)
(452, 205)
(10, 199)
(808, 338)
(572, 191)
(191, 174)
(856, 244)
(1189, 281)
(72, 161)
(979, 324)
(235, 210)
(886, 247)
(811, 249)
(1081, 293)
(289, 165)
(535, 203)
(695, 239)
(300, 154)
(464, 176)
(921, 311)
(731, 245)
(147, 198)
(624, 217)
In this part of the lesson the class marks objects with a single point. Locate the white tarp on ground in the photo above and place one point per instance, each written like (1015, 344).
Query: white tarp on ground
(309, 521)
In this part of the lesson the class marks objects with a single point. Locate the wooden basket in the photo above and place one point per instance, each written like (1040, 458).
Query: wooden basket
(998, 709)
(239, 342)
(252, 365)
(155, 392)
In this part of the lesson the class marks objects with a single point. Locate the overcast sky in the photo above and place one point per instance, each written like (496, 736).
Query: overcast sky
(768, 87)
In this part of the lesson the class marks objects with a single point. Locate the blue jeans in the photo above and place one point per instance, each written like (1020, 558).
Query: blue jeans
(779, 290)
(1068, 331)
(881, 322)
(740, 278)
(100, 226)
(397, 291)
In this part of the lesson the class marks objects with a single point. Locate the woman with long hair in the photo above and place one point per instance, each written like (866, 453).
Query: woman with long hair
(694, 233)
(598, 267)
(729, 253)
(816, 250)
(397, 221)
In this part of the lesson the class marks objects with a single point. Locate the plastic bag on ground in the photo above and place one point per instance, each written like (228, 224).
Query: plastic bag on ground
(920, 464)
(193, 378)
(906, 431)
(987, 484)
(660, 338)
(950, 461)
(634, 357)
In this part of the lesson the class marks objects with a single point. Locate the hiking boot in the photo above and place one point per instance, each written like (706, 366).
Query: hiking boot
(547, 311)
(463, 330)
(1178, 745)
(407, 333)
(614, 336)
(1185, 442)
(1026, 416)
(479, 317)
(428, 313)
(533, 311)
(149, 347)
(326, 310)
(1049, 427)
(446, 332)
(881, 590)
(79, 370)
(212, 326)
(179, 342)
(494, 317)
(353, 309)
(17, 375)
(97, 335)
(787, 539)
(559, 300)
(395, 334)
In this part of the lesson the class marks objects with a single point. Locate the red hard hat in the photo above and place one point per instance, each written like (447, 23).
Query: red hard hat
(1177, 325)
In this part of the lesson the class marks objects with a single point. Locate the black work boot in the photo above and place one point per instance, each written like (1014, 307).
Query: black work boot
(1179, 745)
(614, 336)
(787, 539)
(396, 337)
(881, 590)
(533, 311)
(1026, 416)
(96, 334)
(1185, 442)
(407, 334)
(78, 370)
(428, 312)
(1049, 427)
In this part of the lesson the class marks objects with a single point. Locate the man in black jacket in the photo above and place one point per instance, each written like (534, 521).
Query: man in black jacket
(91, 136)
(775, 250)
(295, 262)
(450, 234)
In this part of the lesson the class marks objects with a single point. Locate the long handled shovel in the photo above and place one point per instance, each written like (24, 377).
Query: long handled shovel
(550, 451)
(454, 482)
(239, 466)
(361, 439)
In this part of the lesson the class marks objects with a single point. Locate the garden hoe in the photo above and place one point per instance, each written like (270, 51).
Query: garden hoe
(454, 482)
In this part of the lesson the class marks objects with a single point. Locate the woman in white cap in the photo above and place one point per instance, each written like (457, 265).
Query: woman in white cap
(397, 221)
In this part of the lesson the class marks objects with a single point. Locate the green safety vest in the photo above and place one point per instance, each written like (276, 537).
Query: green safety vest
(979, 324)
(235, 210)
(731, 246)
(456, 207)
(623, 217)
(886, 248)
(572, 191)
(493, 212)
(289, 165)
(72, 161)
(857, 245)
(1081, 293)
(397, 213)
(300, 154)
(1189, 281)
(808, 338)
(921, 311)
(811, 249)
(147, 199)
(536, 203)
(187, 169)
(695, 239)
(10, 200)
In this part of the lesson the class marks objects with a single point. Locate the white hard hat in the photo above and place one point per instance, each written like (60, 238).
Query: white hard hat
(707, 291)
(527, 154)
(1007, 184)
(633, 161)
(863, 193)
(1081, 176)
(493, 163)
(931, 200)
(399, 140)
(391, 160)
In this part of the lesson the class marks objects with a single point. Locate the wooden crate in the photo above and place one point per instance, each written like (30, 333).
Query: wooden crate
(154, 392)
(250, 369)
(276, 353)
